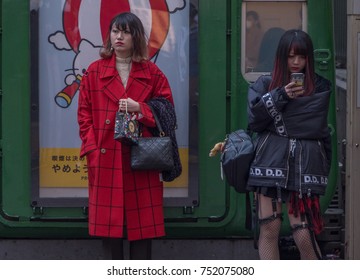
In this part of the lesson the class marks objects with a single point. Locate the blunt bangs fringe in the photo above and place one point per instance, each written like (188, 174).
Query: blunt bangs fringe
(299, 46)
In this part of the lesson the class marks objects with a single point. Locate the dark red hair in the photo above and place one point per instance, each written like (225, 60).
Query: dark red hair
(301, 43)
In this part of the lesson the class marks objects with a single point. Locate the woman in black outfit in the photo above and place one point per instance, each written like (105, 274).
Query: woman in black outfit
(293, 149)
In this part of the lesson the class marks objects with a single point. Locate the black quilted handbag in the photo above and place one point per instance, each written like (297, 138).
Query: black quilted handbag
(153, 153)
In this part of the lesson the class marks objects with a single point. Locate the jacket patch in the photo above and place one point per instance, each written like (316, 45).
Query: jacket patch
(267, 172)
(314, 180)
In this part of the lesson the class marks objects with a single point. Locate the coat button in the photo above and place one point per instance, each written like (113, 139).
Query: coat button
(107, 121)
(103, 151)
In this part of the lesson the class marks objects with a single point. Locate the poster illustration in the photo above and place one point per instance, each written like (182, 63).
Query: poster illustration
(71, 33)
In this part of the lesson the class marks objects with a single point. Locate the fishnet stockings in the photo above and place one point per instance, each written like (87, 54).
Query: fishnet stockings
(269, 239)
(302, 238)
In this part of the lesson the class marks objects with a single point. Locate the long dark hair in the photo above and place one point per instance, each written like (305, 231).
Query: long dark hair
(122, 21)
(301, 43)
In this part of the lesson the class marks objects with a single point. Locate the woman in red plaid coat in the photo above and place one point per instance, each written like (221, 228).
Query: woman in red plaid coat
(122, 202)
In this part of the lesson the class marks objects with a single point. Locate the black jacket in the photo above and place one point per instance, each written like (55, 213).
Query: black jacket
(291, 132)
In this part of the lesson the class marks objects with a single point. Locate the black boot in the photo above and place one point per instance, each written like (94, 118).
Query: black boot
(113, 248)
(140, 249)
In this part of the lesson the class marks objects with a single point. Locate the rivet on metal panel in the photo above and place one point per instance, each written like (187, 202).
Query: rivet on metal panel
(188, 210)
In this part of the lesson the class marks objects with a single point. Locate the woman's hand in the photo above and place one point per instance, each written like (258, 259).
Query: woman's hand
(132, 105)
(293, 91)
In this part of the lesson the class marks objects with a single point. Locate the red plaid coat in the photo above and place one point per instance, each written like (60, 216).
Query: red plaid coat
(119, 196)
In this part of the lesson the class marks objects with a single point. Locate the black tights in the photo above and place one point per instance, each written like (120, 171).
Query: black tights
(139, 249)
